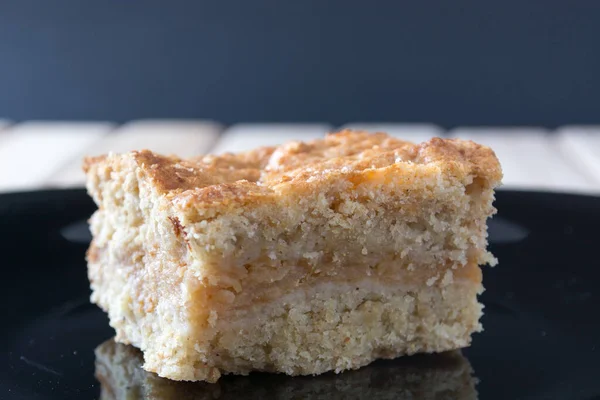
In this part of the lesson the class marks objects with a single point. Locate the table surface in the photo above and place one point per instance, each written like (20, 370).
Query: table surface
(43, 154)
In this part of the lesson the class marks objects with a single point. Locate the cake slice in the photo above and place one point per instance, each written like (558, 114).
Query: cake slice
(301, 259)
(435, 376)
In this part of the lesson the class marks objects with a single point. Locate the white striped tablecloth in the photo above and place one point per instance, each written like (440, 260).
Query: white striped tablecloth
(42, 154)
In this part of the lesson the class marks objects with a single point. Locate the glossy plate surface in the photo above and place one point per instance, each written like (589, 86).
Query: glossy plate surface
(542, 321)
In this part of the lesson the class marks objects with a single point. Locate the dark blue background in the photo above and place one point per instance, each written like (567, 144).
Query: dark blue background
(448, 62)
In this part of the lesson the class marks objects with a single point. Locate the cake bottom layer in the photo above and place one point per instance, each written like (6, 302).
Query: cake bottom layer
(329, 327)
(447, 375)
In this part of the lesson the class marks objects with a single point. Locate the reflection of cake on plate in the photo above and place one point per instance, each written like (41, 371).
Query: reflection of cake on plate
(434, 376)
(302, 259)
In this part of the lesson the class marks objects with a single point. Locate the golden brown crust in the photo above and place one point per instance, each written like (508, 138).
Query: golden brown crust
(478, 160)
(89, 161)
(241, 177)
(172, 174)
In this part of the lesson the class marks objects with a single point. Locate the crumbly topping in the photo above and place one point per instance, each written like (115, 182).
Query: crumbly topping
(217, 177)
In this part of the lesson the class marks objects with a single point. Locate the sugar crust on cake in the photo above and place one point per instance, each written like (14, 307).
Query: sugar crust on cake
(237, 176)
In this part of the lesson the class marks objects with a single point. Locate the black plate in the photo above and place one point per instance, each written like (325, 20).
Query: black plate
(542, 328)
